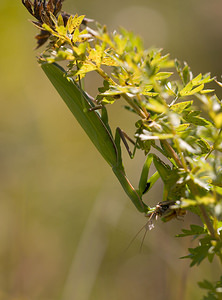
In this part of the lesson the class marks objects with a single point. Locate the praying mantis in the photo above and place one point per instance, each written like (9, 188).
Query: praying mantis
(97, 128)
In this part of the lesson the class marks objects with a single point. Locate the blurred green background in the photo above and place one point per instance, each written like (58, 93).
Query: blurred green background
(65, 222)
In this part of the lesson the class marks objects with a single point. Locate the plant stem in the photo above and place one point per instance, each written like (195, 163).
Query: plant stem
(204, 214)
(207, 221)
(172, 153)
(135, 107)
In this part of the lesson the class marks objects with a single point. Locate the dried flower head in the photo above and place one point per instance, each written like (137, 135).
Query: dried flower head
(42, 11)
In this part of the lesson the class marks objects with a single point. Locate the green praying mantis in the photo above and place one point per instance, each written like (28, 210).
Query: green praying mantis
(97, 128)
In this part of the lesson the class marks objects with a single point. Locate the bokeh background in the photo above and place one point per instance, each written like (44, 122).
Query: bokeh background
(65, 223)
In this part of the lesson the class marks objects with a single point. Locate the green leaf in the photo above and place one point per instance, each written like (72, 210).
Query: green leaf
(47, 28)
(74, 22)
(61, 30)
(163, 75)
(204, 145)
(198, 254)
(60, 21)
(206, 285)
(182, 127)
(196, 90)
(85, 68)
(186, 74)
(147, 90)
(193, 118)
(189, 90)
(194, 230)
(197, 79)
(75, 36)
(180, 107)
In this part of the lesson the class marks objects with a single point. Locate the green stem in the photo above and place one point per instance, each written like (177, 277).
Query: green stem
(139, 111)
(205, 216)
(172, 153)
(207, 221)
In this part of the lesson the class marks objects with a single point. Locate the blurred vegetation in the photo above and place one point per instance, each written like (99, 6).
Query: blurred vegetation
(59, 239)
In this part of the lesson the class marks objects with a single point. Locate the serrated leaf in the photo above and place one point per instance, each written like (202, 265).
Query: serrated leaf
(198, 254)
(194, 230)
(69, 25)
(180, 107)
(74, 22)
(96, 55)
(189, 90)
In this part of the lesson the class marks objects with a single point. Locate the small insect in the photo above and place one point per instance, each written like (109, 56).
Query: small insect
(166, 211)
